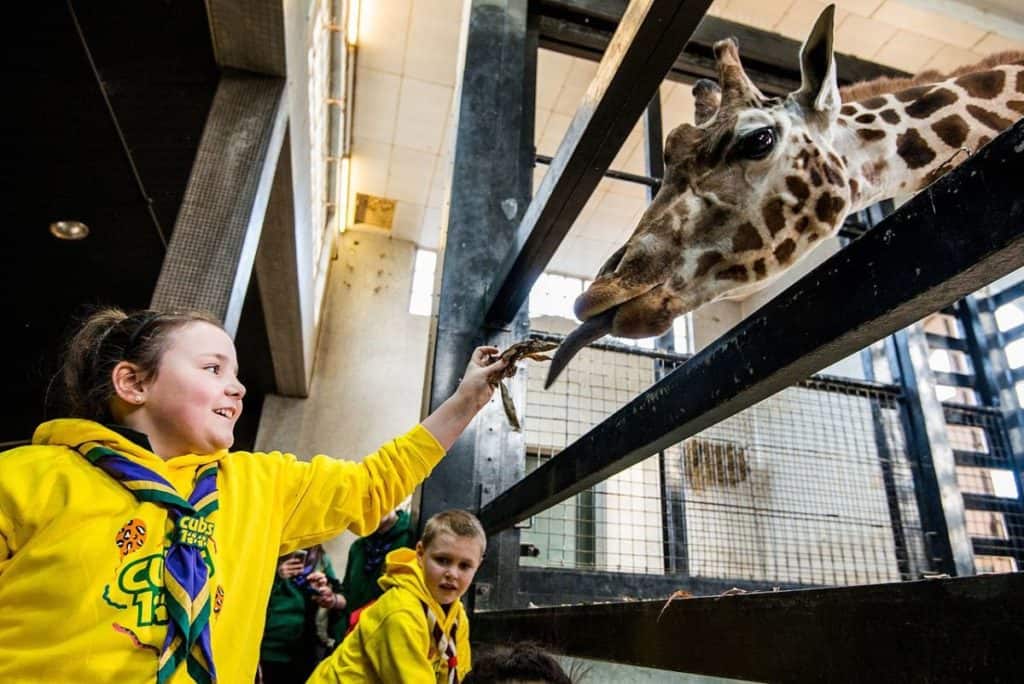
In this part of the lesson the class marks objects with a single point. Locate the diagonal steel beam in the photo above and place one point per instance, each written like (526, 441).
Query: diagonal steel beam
(643, 49)
(952, 238)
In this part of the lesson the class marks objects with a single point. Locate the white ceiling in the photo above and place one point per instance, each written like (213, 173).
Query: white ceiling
(406, 74)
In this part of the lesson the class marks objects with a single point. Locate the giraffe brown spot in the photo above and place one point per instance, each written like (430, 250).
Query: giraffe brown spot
(928, 104)
(706, 261)
(889, 116)
(737, 272)
(865, 118)
(833, 176)
(914, 150)
(848, 110)
(854, 189)
(873, 103)
(773, 218)
(812, 237)
(990, 119)
(983, 84)
(983, 140)
(785, 250)
(828, 207)
(807, 139)
(952, 130)
(815, 178)
(798, 187)
(870, 134)
(803, 224)
(912, 93)
(834, 159)
(1020, 81)
(746, 238)
(759, 269)
(1016, 105)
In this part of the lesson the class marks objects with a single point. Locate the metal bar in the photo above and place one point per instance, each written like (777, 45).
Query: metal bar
(493, 141)
(946, 342)
(935, 249)
(617, 175)
(1013, 334)
(556, 586)
(974, 459)
(583, 27)
(979, 351)
(643, 48)
(955, 379)
(987, 502)
(962, 629)
(938, 496)
(1010, 294)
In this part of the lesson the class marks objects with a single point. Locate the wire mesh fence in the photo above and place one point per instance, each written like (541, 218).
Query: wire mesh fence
(810, 487)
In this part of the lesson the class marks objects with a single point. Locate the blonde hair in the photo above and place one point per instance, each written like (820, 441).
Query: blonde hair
(455, 521)
(108, 337)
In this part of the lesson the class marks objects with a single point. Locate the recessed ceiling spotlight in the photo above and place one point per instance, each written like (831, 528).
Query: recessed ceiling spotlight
(69, 230)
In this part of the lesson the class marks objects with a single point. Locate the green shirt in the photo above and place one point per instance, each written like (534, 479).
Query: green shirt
(366, 563)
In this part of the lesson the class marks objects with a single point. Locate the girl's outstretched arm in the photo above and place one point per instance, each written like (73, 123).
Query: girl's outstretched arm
(473, 392)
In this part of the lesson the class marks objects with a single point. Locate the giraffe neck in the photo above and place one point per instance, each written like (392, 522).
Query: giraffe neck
(898, 143)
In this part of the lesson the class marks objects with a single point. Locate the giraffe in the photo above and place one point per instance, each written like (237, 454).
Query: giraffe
(760, 181)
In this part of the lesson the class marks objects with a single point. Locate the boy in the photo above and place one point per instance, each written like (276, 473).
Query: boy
(417, 631)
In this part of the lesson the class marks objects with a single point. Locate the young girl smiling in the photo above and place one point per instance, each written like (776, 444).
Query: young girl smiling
(134, 546)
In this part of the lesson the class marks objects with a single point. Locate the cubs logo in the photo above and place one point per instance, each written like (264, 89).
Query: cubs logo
(131, 537)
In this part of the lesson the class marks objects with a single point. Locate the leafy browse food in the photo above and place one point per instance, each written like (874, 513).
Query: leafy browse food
(527, 349)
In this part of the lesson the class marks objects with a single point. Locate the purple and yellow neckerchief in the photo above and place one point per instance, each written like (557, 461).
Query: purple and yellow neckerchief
(186, 577)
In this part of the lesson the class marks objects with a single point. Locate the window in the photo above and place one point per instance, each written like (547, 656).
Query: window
(421, 300)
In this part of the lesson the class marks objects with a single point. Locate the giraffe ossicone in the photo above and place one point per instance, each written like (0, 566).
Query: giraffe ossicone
(758, 182)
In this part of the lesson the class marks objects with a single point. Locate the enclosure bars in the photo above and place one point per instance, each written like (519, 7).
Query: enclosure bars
(931, 252)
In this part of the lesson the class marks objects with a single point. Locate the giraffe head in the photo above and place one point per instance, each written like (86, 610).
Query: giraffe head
(748, 190)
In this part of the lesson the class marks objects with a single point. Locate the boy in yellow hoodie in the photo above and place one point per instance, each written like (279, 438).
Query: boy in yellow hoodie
(135, 547)
(418, 631)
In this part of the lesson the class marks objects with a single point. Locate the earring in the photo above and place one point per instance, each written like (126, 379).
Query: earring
(138, 399)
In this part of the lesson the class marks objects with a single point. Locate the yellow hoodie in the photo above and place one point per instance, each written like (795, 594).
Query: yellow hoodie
(392, 642)
(81, 560)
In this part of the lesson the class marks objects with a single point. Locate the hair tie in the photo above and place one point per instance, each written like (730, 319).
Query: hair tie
(137, 333)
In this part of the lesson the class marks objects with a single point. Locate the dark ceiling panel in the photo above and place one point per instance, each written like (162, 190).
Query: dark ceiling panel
(64, 159)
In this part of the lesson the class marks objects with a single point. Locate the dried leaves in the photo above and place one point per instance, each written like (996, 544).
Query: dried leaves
(527, 349)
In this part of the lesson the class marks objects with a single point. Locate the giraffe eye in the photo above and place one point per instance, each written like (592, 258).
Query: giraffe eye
(758, 144)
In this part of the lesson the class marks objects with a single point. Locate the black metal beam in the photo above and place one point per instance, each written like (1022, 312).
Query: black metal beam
(935, 249)
(946, 342)
(558, 586)
(1014, 333)
(942, 630)
(954, 379)
(583, 28)
(491, 183)
(1008, 295)
(617, 175)
(642, 50)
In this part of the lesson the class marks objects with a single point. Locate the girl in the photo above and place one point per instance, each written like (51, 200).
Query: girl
(134, 547)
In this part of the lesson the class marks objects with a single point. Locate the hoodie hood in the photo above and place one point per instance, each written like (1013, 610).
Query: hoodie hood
(402, 569)
(79, 434)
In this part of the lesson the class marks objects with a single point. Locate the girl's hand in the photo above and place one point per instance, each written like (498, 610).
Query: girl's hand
(290, 567)
(481, 377)
(474, 391)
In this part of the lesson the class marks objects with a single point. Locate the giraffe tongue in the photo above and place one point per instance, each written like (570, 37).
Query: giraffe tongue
(593, 329)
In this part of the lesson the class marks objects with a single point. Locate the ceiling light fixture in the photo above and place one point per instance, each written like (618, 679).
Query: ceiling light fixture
(69, 230)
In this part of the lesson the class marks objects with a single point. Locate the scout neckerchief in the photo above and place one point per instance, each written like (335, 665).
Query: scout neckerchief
(186, 587)
(445, 644)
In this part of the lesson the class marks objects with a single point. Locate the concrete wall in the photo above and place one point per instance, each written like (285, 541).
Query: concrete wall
(370, 361)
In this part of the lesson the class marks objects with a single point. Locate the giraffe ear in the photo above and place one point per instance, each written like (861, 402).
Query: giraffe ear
(707, 96)
(819, 89)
